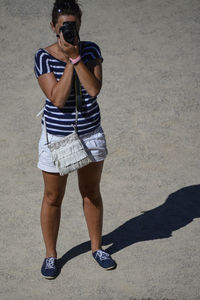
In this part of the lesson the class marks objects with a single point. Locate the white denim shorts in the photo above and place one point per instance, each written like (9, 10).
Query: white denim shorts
(94, 142)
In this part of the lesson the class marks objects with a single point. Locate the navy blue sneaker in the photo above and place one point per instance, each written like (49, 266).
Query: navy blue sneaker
(104, 260)
(50, 268)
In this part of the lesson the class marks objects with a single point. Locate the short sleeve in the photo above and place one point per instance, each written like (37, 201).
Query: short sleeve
(97, 52)
(41, 63)
(90, 51)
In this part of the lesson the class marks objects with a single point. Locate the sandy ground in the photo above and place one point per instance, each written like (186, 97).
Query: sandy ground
(151, 182)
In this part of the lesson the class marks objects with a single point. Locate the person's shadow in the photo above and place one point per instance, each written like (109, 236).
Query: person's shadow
(179, 209)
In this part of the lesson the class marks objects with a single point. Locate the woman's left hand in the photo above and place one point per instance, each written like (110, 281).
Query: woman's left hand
(69, 50)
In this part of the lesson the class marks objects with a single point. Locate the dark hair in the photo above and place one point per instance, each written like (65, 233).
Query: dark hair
(65, 7)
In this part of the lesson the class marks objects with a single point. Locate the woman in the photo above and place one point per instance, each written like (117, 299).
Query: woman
(55, 67)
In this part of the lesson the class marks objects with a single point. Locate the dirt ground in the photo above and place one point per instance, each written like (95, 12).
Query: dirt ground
(151, 181)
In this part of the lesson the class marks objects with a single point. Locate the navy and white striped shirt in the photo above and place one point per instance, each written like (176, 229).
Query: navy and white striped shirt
(60, 121)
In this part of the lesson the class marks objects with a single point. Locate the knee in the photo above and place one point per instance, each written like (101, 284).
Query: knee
(53, 198)
(90, 194)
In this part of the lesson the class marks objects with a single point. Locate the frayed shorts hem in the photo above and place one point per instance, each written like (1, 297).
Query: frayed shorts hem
(55, 170)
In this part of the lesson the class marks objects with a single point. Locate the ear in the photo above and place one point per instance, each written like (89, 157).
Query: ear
(52, 27)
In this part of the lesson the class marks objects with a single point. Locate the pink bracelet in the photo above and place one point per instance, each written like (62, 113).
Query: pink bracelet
(75, 60)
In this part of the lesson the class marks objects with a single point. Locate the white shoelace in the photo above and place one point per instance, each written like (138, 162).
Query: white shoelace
(50, 263)
(102, 255)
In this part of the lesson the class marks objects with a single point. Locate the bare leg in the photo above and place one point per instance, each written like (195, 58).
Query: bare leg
(54, 189)
(89, 184)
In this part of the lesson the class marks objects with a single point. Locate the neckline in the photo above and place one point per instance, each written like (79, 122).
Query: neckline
(53, 56)
(56, 57)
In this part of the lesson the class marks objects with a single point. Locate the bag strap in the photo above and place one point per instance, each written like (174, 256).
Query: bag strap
(78, 98)
(45, 129)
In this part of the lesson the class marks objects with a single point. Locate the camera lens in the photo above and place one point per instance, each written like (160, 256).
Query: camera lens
(69, 32)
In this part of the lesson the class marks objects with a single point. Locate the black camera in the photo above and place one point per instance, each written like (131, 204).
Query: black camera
(69, 32)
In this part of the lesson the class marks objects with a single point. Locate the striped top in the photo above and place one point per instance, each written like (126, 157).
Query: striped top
(60, 121)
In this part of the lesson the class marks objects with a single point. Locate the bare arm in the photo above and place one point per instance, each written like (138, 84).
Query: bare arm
(90, 76)
(57, 91)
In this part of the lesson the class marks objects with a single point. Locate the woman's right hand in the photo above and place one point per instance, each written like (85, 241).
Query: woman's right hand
(69, 50)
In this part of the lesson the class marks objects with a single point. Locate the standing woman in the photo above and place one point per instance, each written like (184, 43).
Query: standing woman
(55, 67)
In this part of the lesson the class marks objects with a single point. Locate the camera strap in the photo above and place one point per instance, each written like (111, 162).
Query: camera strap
(78, 93)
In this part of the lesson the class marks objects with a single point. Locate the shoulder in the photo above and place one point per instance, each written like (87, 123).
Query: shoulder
(41, 53)
(90, 50)
(87, 46)
(42, 62)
